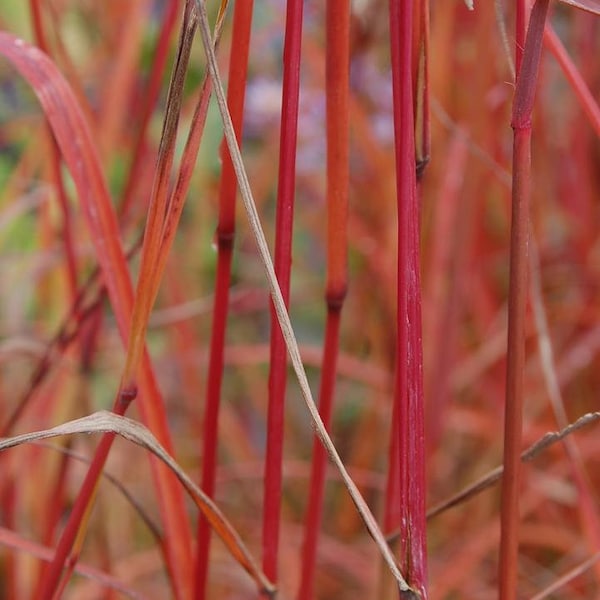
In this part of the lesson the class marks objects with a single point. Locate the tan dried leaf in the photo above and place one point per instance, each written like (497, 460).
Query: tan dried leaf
(103, 422)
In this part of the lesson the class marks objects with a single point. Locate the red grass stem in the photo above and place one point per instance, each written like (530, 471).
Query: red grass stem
(521, 192)
(319, 461)
(282, 263)
(236, 92)
(337, 89)
(406, 483)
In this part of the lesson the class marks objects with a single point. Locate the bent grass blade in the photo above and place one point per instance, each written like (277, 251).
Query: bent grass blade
(107, 422)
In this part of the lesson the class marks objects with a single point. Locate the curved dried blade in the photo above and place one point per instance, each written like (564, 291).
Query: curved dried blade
(103, 422)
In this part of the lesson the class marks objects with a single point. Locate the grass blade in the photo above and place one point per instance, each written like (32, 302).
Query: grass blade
(107, 422)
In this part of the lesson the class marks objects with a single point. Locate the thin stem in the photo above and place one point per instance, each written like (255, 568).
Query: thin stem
(406, 500)
(521, 192)
(283, 259)
(337, 90)
(236, 91)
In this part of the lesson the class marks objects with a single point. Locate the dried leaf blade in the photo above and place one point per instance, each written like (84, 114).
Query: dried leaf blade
(107, 422)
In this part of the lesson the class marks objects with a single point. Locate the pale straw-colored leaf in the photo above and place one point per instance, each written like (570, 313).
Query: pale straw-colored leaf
(493, 476)
(104, 422)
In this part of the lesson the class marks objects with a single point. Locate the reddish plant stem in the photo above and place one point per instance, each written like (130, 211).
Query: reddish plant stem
(159, 207)
(515, 361)
(319, 461)
(282, 263)
(519, 258)
(236, 92)
(38, 25)
(337, 90)
(406, 482)
(53, 573)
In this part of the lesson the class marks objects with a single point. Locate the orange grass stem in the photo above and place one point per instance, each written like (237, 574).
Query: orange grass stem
(236, 93)
(521, 123)
(147, 284)
(337, 91)
(166, 208)
(282, 263)
(405, 501)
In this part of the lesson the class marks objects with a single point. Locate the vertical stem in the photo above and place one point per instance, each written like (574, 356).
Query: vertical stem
(283, 255)
(406, 483)
(521, 192)
(515, 361)
(337, 91)
(238, 68)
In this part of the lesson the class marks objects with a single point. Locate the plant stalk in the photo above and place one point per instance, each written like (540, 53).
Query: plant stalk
(527, 77)
(236, 91)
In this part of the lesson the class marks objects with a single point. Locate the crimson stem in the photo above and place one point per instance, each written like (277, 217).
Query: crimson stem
(337, 82)
(527, 76)
(236, 91)
(405, 501)
(282, 263)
